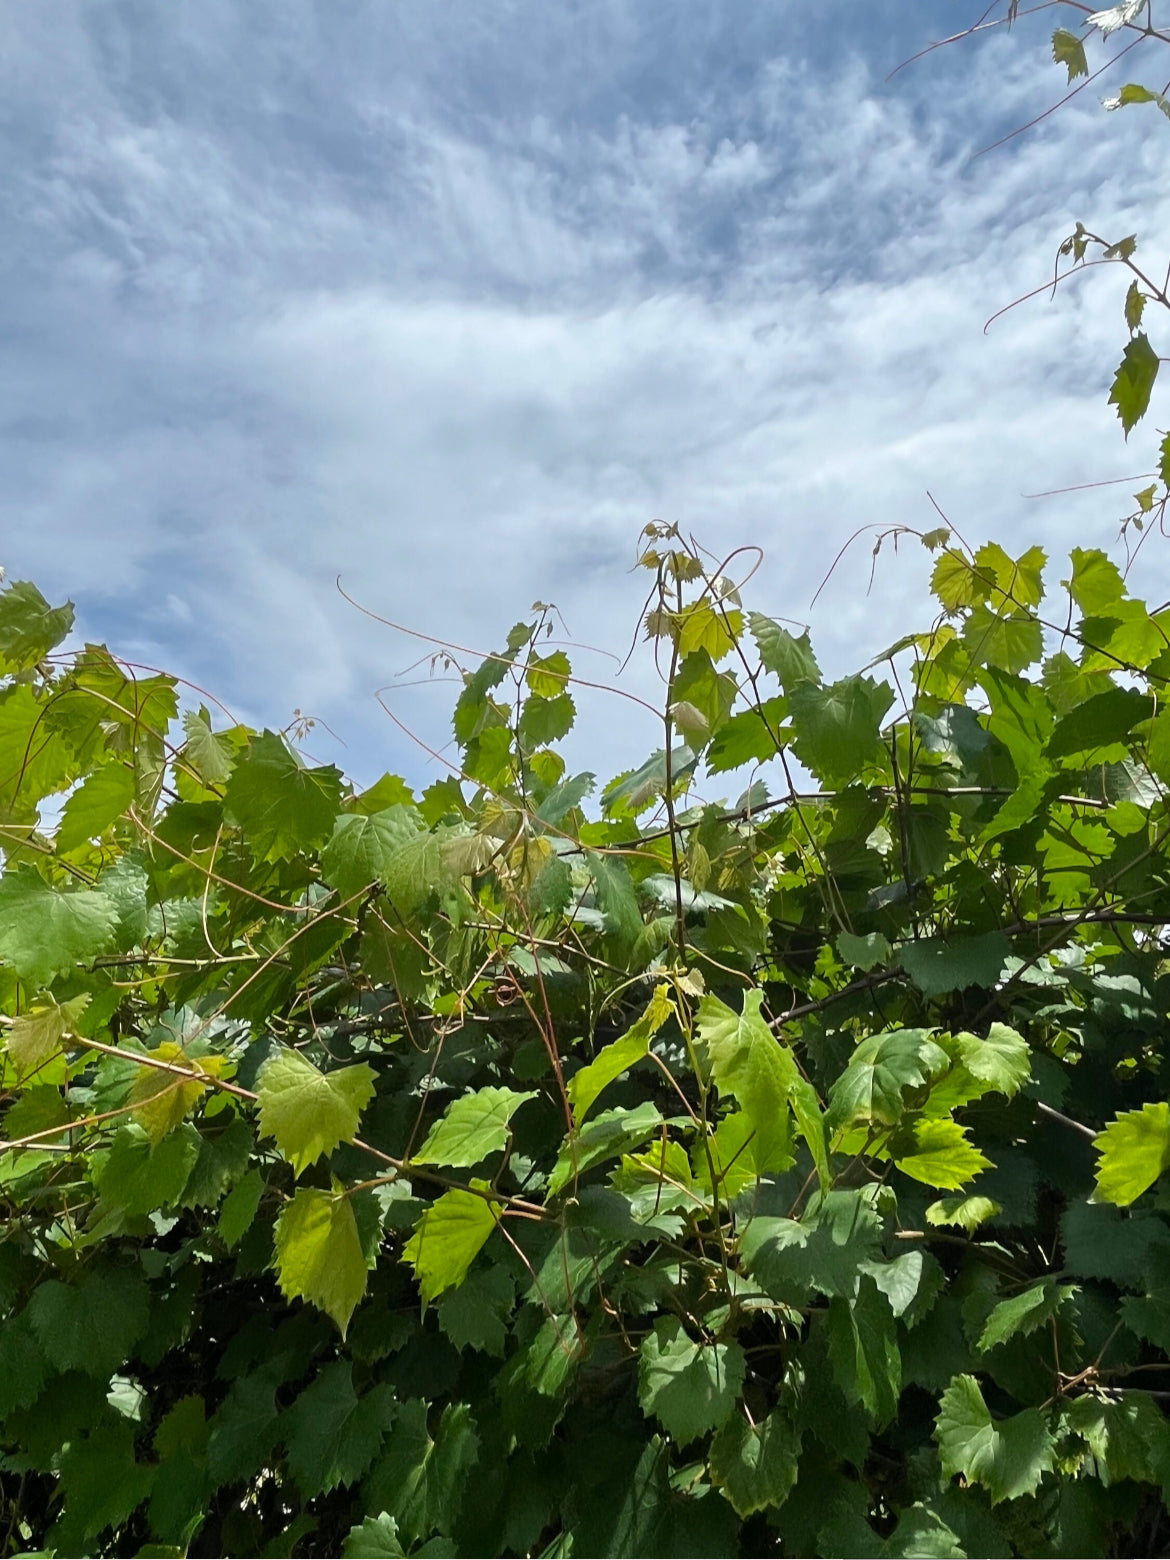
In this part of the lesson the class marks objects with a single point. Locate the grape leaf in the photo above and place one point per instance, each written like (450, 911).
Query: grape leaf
(781, 653)
(1134, 1149)
(1023, 1313)
(97, 802)
(616, 1058)
(46, 932)
(376, 1538)
(319, 1254)
(864, 1351)
(93, 1324)
(362, 847)
(29, 627)
(471, 1128)
(689, 1387)
(39, 1035)
(755, 1464)
(1069, 50)
(282, 806)
(1007, 1457)
(448, 1239)
(938, 1152)
(1002, 1060)
(879, 1073)
(750, 1065)
(333, 1435)
(838, 727)
(1134, 381)
(310, 1112)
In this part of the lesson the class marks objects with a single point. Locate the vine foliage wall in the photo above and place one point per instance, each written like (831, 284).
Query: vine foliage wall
(529, 1166)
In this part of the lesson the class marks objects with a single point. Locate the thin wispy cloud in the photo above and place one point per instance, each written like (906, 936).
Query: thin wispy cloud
(451, 304)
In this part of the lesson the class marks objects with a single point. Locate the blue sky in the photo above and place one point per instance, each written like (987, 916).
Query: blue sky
(452, 300)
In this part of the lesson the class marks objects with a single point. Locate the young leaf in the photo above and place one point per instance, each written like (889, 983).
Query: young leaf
(1002, 1061)
(319, 1254)
(376, 1538)
(1008, 1457)
(864, 953)
(749, 1064)
(162, 1099)
(1023, 1313)
(938, 1152)
(309, 1112)
(1134, 381)
(39, 1035)
(1134, 1149)
(471, 1128)
(620, 1055)
(1069, 50)
(689, 1387)
(448, 1239)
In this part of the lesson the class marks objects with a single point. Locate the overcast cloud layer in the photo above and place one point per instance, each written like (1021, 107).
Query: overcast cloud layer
(450, 301)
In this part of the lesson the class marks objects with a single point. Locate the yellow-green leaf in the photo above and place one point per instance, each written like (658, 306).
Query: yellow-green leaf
(319, 1254)
(310, 1112)
(448, 1238)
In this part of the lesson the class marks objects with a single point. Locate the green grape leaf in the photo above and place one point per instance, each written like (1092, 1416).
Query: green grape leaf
(965, 1212)
(616, 896)
(619, 1056)
(838, 727)
(102, 1485)
(98, 801)
(824, 1252)
(1134, 1149)
(864, 953)
(1023, 1313)
(545, 720)
(922, 1533)
(1134, 381)
(755, 1464)
(937, 1151)
(376, 1538)
(137, 1176)
(546, 676)
(91, 1325)
(880, 1072)
(333, 1435)
(1130, 1439)
(751, 1066)
(282, 806)
(309, 1112)
(1007, 1457)
(449, 1237)
(239, 1209)
(612, 1133)
(751, 737)
(1002, 1061)
(781, 653)
(937, 965)
(363, 845)
(690, 1388)
(319, 1255)
(29, 627)
(471, 1128)
(477, 1313)
(419, 1481)
(46, 932)
(864, 1351)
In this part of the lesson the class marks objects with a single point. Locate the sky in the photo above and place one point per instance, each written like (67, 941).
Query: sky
(449, 301)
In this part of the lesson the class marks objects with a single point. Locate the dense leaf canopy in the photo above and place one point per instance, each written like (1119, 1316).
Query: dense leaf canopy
(475, 1172)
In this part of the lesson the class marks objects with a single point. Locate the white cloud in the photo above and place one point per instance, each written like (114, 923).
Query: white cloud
(453, 308)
